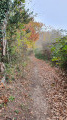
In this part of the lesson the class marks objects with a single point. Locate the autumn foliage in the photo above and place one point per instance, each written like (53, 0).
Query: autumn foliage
(33, 28)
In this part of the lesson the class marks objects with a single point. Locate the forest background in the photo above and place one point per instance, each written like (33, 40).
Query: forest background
(18, 35)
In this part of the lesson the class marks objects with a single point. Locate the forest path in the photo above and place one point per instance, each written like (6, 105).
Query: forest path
(38, 91)
(39, 95)
(42, 76)
(48, 91)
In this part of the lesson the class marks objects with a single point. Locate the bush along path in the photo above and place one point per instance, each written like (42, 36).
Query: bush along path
(41, 94)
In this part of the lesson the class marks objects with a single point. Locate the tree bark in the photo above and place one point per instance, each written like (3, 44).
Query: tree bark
(4, 42)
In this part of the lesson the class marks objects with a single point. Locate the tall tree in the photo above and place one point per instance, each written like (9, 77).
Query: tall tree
(12, 14)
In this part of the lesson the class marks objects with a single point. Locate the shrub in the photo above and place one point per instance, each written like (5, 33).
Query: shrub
(59, 52)
(40, 54)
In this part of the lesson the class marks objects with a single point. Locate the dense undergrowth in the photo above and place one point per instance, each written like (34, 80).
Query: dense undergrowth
(57, 55)
(59, 52)
(41, 55)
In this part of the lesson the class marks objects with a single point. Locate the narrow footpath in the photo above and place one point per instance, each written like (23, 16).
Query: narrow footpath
(39, 95)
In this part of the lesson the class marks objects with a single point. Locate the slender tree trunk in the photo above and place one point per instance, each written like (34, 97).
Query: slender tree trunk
(4, 42)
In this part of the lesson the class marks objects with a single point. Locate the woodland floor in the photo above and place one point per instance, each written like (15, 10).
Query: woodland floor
(40, 95)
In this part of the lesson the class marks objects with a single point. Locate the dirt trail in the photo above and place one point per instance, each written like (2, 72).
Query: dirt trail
(46, 91)
(38, 96)
(40, 105)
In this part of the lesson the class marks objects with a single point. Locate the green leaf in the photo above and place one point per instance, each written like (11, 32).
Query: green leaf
(11, 98)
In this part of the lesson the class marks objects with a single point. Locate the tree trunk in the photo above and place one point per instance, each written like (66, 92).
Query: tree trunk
(4, 42)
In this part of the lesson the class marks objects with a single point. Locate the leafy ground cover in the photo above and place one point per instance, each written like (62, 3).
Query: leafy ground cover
(40, 95)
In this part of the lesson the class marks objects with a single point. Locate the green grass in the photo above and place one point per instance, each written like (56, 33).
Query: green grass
(40, 55)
